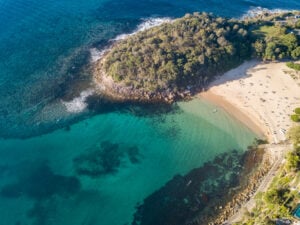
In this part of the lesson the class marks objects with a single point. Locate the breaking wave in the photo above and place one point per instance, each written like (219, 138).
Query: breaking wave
(148, 23)
(78, 104)
(145, 25)
(256, 11)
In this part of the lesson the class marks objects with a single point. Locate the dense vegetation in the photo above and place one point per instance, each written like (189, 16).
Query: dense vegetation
(192, 50)
(282, 197)
(189, 51)
(275, 42)
(293, 65)
(296, 117)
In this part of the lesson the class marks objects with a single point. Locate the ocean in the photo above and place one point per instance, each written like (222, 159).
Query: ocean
(66, 160)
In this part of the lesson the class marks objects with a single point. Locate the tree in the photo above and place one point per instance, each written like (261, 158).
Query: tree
(295, 118)
(294, 134)
(293, 160)
(290, 41)
(259, 47)
(296, 53)
(270, 51)
(276, 196)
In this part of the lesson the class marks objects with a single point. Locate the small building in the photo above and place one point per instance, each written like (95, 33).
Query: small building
(296, 212)
(283, 222)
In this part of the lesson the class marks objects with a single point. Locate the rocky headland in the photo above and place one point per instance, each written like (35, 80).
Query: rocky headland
(179, 58)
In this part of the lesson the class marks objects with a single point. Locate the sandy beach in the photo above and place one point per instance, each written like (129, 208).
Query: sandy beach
(262, 95)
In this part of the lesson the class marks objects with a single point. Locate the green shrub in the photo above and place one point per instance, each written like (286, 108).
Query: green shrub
(294, 66)
(296, 53)
(293, 161)
(297, 25)
(294, 135)
(276, 196)
(295, 118)
(297, 110)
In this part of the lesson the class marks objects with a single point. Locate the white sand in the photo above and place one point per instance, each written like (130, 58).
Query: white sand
(261, 92)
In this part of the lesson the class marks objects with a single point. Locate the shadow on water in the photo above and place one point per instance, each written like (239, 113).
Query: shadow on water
(98, 105)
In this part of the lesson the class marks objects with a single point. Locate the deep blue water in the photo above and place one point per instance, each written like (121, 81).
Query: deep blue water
(43, 44)
(67, 168)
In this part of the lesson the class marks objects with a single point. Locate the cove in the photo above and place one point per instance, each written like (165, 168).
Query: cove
(98, 170)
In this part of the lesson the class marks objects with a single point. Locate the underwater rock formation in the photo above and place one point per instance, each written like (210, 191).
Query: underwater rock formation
(105, 159)
(198, 196)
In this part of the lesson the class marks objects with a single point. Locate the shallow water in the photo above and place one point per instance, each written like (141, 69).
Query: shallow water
(143, 153)
(63, 164)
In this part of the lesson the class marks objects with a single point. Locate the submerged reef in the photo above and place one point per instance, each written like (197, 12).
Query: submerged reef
(199, 196)
(41, 183)
(105, 159)
(37, 182)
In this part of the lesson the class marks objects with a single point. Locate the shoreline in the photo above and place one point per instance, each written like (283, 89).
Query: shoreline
(259, 94)
(234, 111)
(262, 96)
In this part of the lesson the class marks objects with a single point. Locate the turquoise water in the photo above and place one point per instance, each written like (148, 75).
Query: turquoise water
(93, 165)
(167, 144)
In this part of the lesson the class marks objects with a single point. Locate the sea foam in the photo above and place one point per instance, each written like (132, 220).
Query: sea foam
(96, 54)
(78, 104)
(256, 11)
(146, 24)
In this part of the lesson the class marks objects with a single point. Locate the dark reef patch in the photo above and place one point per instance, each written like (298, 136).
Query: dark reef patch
(105, 159)
(41, 183)
(39, 213)
(99, 104)
(37, 181)
(189, 199)
(133, 154)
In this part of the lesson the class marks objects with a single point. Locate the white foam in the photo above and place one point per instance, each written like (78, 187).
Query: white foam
(256, 11)
(145, 25)
(96, 54)
(152, 22)
(78, 104)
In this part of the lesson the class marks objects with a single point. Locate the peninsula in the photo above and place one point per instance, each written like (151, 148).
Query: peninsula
(179, 58)
(238, 64)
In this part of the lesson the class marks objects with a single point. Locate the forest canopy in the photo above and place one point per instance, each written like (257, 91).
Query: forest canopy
(192, 50)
